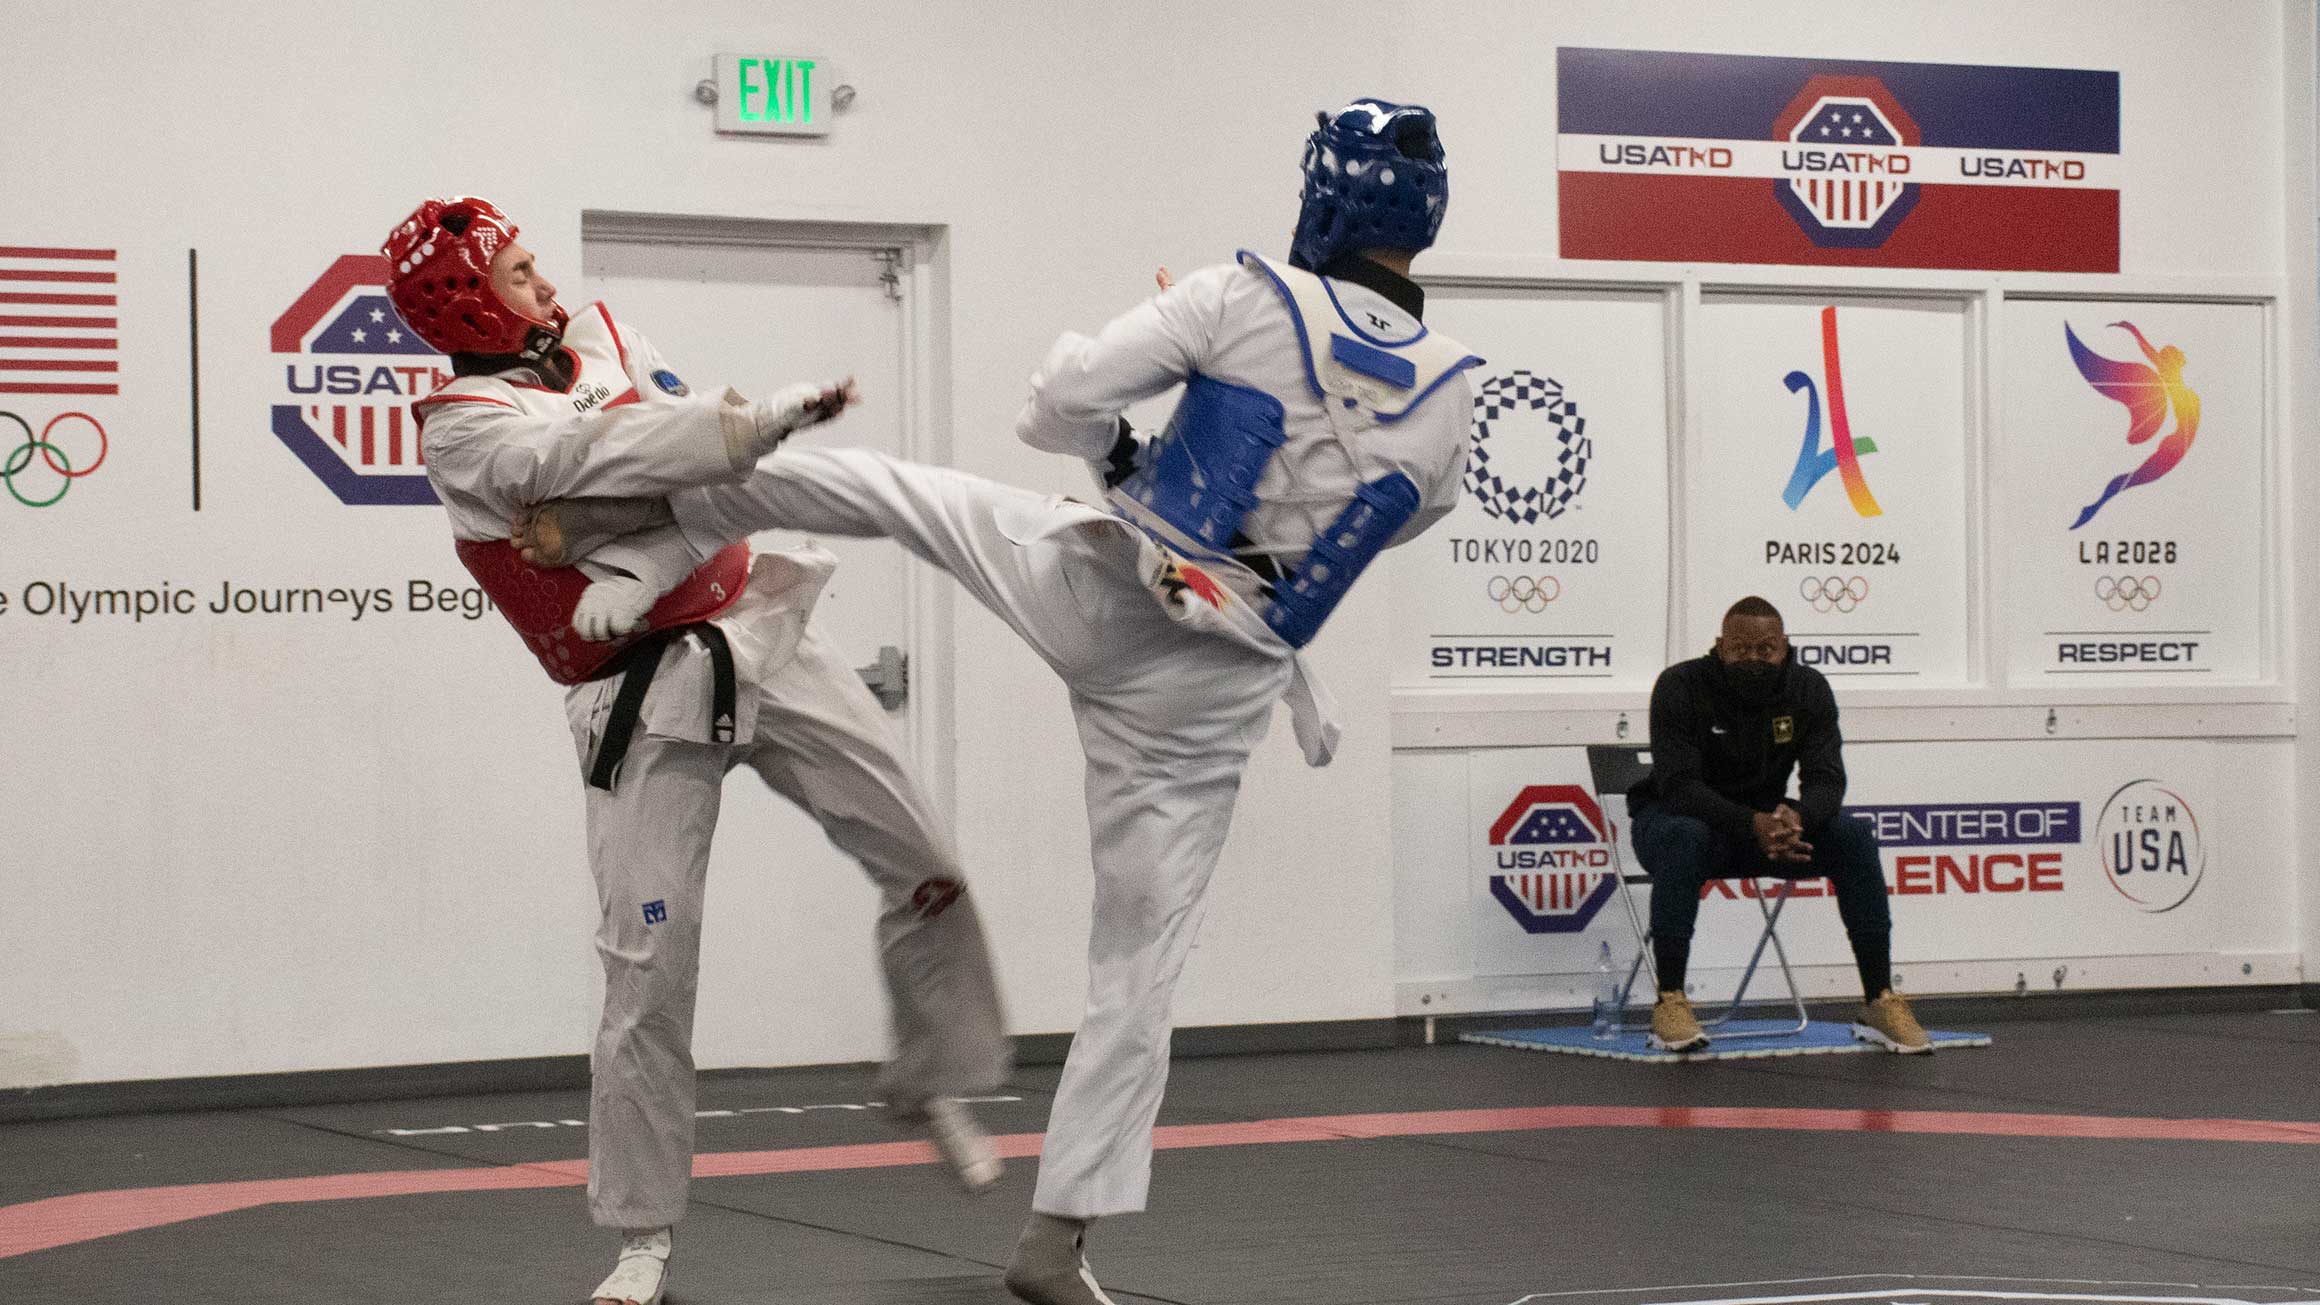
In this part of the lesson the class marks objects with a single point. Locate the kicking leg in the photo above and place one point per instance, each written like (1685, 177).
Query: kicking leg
(824, 743)
(990, 537)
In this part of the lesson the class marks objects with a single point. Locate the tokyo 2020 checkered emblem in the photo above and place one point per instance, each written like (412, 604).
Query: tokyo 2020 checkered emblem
(1530, 448)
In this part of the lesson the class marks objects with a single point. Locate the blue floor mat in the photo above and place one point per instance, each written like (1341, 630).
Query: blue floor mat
(1739, 1040)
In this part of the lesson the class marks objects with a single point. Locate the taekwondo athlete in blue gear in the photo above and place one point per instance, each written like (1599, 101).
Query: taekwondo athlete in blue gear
(1321, 422)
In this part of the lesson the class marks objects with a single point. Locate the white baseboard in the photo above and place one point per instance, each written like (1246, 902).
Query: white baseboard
(1484, 994)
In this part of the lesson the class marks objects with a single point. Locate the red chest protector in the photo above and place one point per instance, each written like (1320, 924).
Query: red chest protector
(539, 604)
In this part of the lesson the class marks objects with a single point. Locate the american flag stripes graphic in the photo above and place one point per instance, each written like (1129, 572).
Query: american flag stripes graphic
(374, 434)
(1554, 892)
(59, 321)
(1845, 201)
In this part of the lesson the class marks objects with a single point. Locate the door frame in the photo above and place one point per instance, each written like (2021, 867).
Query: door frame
(919, 262)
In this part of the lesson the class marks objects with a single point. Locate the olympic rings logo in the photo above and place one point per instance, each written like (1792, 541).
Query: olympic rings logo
(19, 459)
(1523, 593)
(2126, 592)
(1834, 593)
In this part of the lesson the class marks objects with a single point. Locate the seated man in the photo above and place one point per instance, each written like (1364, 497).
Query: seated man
(1727, 730)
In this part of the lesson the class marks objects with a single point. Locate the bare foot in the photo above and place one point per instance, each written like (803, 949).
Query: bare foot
(539, 536)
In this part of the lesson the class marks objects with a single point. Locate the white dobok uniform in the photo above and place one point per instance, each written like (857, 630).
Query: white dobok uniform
(804, 722)
(1173, 675)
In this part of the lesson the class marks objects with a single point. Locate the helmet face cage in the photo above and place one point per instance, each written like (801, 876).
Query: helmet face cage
(1375, 178)
(439, 278)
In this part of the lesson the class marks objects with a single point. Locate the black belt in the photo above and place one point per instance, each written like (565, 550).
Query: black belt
(1263, 564)
(636, 666)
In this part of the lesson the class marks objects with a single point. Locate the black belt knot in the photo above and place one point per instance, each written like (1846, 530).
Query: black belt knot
(636, 666)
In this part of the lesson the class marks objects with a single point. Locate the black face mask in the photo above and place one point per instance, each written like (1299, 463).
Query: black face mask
(1755, 682)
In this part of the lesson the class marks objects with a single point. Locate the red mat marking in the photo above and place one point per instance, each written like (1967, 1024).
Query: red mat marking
(87, 1216)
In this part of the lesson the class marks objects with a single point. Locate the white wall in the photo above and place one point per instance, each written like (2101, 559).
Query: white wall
(2232, 221)
(240, 867)
(2301, 259)
(216, 862)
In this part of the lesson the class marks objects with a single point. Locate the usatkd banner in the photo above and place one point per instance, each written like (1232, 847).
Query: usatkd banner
(1668, 157)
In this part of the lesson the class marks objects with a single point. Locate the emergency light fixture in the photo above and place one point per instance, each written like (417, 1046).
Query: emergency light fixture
(772, 95)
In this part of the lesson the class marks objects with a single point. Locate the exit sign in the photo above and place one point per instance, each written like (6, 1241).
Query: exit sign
(773, 95)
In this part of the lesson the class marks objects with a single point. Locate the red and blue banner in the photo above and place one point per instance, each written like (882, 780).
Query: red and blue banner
(1669, 157)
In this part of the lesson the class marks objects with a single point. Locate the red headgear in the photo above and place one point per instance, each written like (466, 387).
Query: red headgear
(439, 277)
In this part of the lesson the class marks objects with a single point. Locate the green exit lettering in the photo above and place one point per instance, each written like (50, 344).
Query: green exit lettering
(784, 90)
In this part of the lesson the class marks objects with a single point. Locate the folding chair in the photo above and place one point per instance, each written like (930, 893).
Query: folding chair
(1616, 768)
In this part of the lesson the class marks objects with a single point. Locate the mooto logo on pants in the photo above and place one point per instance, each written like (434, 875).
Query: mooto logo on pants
(2150, 845)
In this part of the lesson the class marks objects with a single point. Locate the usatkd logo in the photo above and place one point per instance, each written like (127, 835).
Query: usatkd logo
(1551, 850)
(351, 368)
(1847, 153)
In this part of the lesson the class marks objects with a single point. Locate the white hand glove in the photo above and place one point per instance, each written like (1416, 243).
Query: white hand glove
(612, 608)
(792, 408)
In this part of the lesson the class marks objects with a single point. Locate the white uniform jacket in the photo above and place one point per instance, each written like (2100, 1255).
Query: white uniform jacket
(1231, 323)
(627, 427)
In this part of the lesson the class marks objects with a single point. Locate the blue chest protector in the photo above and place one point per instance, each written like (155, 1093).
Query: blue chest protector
(1199, 483)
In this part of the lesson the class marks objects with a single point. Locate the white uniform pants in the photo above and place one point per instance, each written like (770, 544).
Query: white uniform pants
(822, 742)
(1167, 717)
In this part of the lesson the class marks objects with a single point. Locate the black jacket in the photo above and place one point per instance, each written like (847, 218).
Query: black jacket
(1719, 760)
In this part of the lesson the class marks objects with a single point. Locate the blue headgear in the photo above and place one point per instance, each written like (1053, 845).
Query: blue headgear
(1374, 179)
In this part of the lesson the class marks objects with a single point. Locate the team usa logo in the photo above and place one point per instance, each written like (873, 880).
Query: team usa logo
(1843, 455)
(1552, 851)
(351, 368)
(1530, 448)
(2147, 393)
(1847, 190)
(2150, 846)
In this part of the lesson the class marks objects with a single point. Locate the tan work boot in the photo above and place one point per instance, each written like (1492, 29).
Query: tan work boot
(1888, 1023)
(1673, 1026)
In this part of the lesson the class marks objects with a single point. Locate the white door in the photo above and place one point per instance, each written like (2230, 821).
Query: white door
(788, 972)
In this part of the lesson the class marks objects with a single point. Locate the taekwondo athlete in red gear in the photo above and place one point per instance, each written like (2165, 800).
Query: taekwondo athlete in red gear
(679, 669)
(1327, 423)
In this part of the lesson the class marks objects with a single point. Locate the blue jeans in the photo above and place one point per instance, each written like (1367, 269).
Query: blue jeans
(1682, 854)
